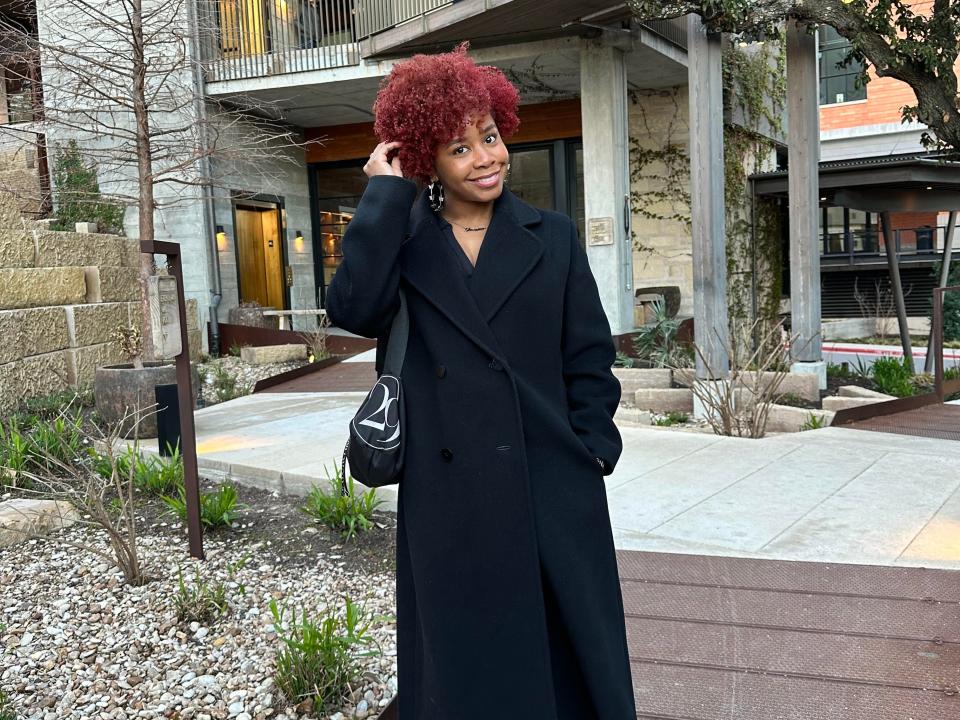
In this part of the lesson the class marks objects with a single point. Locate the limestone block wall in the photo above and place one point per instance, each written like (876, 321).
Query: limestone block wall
(660, 191)
(62, 294)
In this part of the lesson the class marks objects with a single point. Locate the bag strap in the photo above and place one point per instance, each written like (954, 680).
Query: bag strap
(397, 342)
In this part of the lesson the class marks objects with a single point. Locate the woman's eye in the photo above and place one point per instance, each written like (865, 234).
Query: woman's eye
(457, 151)
(491, 139)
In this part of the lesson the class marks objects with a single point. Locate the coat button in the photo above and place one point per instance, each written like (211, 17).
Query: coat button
(494, 364)
(441, 371)
(446, 454)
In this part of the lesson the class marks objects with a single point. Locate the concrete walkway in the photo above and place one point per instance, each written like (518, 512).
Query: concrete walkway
(831, 495)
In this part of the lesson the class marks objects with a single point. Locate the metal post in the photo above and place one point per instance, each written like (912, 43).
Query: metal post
(936, 341)
(894, 263)
(185, 393)
(944, 279)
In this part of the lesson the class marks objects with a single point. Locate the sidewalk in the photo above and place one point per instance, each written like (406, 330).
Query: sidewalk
(831, 495)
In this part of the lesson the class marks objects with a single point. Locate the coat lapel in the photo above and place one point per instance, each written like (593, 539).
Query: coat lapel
(508, 253)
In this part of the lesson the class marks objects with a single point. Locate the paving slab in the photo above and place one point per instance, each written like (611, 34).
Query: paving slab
(833, 494)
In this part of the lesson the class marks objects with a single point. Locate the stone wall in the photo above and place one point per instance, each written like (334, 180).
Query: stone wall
(660, 191)
(62, 294)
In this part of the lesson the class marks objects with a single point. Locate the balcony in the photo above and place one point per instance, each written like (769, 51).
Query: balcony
(914, 246)
(257, 38)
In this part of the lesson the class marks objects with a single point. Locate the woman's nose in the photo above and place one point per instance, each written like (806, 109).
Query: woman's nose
(482, 157)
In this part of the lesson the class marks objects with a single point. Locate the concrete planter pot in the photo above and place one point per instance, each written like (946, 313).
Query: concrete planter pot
(118, 389)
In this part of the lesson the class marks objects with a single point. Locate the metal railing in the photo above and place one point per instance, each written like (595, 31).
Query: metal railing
(919, 242)
(255, 38)
(673, 30)
(375, 16)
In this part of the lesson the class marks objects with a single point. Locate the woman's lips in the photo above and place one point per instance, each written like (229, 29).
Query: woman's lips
(488, 180)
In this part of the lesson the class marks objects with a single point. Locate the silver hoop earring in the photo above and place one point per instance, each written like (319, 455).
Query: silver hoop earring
(435, 193)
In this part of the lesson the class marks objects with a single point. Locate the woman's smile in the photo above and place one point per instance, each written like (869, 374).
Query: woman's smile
(487, 181)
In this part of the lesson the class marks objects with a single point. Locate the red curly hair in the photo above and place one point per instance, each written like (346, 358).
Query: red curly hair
(425, 101)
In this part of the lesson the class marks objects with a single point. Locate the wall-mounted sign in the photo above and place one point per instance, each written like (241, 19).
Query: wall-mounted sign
(164, 315)
(600, 231)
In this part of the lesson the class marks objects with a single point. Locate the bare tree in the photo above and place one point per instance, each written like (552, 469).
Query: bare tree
(122, 78)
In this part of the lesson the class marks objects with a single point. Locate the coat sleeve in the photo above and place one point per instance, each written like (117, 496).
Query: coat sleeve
(593, 392)
(363, 295)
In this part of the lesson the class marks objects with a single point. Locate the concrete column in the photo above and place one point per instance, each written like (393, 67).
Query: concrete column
(711, 324)
(803, 137)
(606, 179)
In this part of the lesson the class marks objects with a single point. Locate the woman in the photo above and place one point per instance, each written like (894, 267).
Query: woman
(508, 599)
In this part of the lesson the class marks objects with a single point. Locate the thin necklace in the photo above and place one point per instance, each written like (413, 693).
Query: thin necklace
(468, 229)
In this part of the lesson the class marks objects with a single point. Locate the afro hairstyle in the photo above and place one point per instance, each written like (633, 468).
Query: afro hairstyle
(425, 101)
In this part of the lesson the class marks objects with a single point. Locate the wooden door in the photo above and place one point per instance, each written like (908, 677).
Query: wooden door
(260, 257)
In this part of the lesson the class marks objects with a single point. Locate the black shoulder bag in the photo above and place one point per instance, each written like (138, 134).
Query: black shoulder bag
(376, 443)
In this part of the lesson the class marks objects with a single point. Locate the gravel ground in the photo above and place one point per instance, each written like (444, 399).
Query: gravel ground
(247, 375)
(76, 642)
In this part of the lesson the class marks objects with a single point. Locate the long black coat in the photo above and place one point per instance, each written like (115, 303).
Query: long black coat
(508, 599)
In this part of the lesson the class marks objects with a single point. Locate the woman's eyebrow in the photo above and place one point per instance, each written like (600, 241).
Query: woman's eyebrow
(458, 140)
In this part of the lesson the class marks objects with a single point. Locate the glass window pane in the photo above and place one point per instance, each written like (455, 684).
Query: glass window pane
(531, 178)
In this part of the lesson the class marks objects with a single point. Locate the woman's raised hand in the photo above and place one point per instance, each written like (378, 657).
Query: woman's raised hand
(378, 163)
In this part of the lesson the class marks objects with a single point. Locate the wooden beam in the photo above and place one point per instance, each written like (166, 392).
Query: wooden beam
(538, 122)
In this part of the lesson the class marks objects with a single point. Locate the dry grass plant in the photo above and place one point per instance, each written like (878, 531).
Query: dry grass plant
(316, 340)
(738, 403)
(102, 500)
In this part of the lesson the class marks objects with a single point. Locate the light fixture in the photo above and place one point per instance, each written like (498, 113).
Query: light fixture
(298, 240)
(221, 238)
(929, 187)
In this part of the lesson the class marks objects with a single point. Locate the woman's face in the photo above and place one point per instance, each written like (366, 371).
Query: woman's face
(473, 166)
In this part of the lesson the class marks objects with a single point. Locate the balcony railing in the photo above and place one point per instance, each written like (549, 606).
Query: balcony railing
(673, 30)
(375, 16)
(257, 38)
(862, 245)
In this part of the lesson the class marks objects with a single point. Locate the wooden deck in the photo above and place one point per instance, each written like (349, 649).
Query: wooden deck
(716, 638)
(940, 421)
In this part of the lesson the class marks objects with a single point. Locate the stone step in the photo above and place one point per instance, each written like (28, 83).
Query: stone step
(21, 519)
(855, 391)
(784, 418)
(664, 400)
(633, 379)
(632, 416)
(38, 287)
(838, 402)
(266, 354)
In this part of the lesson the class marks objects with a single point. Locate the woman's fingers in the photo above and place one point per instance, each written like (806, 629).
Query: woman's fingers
(378, 164)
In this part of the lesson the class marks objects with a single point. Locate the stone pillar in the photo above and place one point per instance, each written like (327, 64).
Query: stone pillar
(711, 324)
(803, 137)
(606, 179)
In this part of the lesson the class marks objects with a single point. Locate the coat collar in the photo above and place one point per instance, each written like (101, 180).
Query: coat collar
(508, 254)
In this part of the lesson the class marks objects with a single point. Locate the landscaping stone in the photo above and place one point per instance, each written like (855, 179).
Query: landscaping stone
(633, 379)
(632, 416)
(93, 324)
(44, 374)
(86, 227)
(265, 354)
(664, 400)
(839, 402)
(83, 361)
(37, 287)
(70, 249)
(784, 418)
(118, 284)
(855, 391)
(11, 380)
(22, 517)
(16, 247)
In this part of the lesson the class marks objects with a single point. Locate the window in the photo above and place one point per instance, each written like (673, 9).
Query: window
(838, 83)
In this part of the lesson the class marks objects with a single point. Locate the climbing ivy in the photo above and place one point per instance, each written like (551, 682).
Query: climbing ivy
(77, 193)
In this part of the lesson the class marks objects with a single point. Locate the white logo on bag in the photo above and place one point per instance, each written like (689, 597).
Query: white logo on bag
(384, 408)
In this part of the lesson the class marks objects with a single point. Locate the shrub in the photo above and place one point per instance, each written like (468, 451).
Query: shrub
(7, 711)
(77, 193)
(657, 342)
(319, 658)
(814, 422)
(14, 453)
(951, 304)
(348, 514)
(225, 386)
(672, 418)
(839, 370)
(153, 474)
(200, 602)
(217, 509)
(893, 376)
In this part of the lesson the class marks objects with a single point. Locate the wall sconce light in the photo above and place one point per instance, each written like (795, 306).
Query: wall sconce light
(221, 239)
(298, 240)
